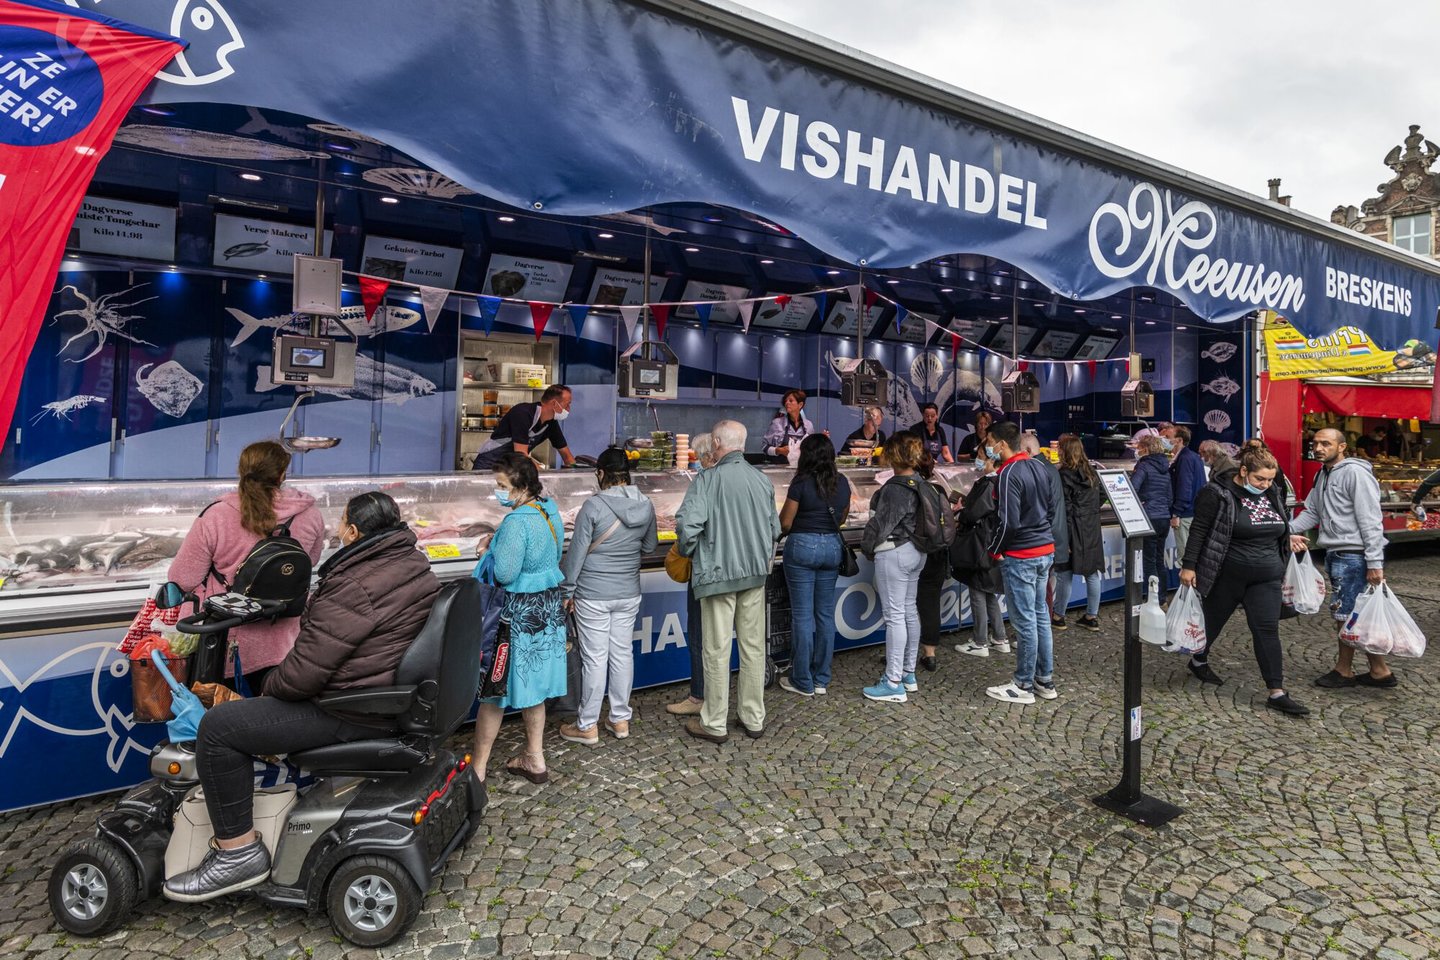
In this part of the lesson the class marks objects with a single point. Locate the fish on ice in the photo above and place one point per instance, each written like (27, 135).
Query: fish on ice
(385, 319)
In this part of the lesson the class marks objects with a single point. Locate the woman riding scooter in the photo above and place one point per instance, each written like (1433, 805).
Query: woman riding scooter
(372, 600)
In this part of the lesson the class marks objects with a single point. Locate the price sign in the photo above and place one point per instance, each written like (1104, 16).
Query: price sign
(1126, 504)
(442, 551)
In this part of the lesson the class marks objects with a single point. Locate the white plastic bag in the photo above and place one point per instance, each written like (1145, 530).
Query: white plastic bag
(1185, 623)
(1381, 625)
(1303, 587)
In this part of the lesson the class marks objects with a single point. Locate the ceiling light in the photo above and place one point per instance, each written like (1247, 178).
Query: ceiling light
(947, 290)
(892, 282)
(159, 111)
(1182, 328)
(1079, 309)
(766, 263)
(606, 236)
(506, 219)
(1116, 316)
(342, 147)
(714, 219)
(994, 296)
(252, 177)
(389, 199)
(832, 273)
(692, 249)
(1149, 323)
(263, 276)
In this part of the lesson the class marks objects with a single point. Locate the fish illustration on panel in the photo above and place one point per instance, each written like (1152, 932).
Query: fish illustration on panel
(72, 716)
(246, 250)
(1220, 351)
(61, 409)
(170, 388)
(384, 320)
(1223, 387)
(391, 383)
(102, 317)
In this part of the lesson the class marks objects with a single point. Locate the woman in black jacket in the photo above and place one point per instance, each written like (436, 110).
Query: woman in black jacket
(1082, 514)
(973, 566)
(1236, 554)
(1151, 478)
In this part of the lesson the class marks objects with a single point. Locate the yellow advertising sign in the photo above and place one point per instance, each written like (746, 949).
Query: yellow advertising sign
(1346, 351)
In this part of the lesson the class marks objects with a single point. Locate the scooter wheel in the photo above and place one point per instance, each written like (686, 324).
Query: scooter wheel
(772, 673)
(93, 888)
(371, 901)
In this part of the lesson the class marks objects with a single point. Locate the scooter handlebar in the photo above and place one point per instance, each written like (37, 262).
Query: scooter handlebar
(198, 624)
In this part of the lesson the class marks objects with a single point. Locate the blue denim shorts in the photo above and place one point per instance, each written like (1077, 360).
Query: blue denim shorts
(1347, 581)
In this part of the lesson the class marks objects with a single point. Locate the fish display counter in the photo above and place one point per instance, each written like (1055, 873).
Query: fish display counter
(78, 560)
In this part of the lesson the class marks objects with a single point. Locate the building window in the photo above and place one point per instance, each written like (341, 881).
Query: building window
(1413, 233)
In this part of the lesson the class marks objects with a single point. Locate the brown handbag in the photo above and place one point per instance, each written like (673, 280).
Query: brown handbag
(150, 691)
(677, 565)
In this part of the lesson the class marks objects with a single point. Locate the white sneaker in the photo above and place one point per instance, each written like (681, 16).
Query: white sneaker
(1010, 693)
(821, 691)
(973, 649)
(1001, 647)
(1044, 692)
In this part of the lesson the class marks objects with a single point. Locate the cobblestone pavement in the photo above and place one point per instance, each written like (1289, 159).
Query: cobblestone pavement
(951, 826)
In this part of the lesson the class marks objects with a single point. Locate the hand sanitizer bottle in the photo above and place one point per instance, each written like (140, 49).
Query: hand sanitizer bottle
(1152, 618)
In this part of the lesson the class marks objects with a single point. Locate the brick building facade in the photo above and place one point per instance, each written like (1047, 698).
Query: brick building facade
(1407, 208)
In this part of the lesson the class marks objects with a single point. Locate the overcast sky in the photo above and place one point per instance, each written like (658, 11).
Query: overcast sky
(1235, 91)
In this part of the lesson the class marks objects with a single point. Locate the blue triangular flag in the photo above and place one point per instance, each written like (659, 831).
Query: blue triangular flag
(578, 313)
(819, 299)
(900, 314)
(489, 306)
(702, 310)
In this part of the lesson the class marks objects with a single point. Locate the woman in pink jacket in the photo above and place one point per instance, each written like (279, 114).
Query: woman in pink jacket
(227, 530)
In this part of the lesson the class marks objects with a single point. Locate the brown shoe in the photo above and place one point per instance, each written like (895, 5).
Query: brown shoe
(619, 728)
(693, 727)
(574, 733)
(689, 707)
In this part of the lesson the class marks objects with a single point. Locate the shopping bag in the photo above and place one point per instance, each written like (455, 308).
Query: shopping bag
(494, 632)
(1184, 623)
(1368, 628)
(569, 701)
(1406, 638)
(187, 707)
(1303, 587)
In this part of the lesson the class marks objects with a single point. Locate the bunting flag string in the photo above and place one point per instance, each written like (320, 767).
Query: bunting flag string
(372, 292)
(432, 302)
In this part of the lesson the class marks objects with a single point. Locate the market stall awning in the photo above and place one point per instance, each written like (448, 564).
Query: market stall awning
(1367, 399)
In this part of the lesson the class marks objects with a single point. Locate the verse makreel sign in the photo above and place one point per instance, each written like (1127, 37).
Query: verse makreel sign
(261, 245)
(124, 228)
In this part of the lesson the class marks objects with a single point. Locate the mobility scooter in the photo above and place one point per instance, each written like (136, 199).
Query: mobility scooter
(362, 840)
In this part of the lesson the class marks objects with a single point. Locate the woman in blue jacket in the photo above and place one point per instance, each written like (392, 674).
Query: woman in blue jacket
(1151, 478)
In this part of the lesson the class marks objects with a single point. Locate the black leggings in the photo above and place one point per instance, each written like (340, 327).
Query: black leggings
(233, 734)
(1259, 590)
(927, 595)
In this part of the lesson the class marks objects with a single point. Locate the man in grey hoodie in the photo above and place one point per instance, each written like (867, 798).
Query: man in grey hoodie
(614, 531)
(1345, 505)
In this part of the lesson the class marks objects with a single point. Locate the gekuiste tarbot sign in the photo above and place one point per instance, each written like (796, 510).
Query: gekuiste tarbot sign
(1345, 351)
(411, 262)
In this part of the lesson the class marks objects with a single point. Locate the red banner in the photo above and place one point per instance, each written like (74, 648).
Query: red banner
(67, 79)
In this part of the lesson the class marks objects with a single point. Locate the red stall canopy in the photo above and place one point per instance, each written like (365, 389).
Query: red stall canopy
(1390, 401)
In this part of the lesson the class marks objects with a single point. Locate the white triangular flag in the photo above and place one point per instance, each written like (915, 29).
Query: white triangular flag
(855, 293)
(432, 301)
(631, 317)
(747, 310)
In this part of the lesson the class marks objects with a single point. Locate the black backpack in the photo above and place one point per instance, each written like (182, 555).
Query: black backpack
(934, 520)
(277, 568)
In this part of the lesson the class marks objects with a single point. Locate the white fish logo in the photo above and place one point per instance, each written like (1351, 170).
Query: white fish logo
(1220, 351)
(1218, 421)
(69, 715)
(211, 32)
(1222, 387)
(383, 320)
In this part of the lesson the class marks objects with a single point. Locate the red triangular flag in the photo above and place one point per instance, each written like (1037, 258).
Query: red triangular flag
(1091, 364)
(661, 313)
(372, 291)
(954, 345)
(1023, 365)
(870, 297)
(781, 300)
(540, 313)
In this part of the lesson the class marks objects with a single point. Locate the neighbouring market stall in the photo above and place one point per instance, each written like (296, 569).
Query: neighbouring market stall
(757, 199)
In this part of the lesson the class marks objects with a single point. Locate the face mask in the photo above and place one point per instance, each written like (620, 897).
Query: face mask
(990, 452)
(561, 414)
(1253, 491)
(979, 463)
(504, 497)
(1166, 445)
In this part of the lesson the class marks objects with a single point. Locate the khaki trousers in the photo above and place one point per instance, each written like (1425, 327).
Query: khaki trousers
(742, 616)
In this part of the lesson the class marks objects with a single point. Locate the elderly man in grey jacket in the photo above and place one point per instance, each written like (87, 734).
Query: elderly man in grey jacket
(727, 525)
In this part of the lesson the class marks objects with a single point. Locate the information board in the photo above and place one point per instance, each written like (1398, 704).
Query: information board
(1096, 348)
(727, 311)
(1055, 344)
(621, 288)
(526, 279)
(843, 320)
(124, 228)
(1003, 338)
(795, 315)
(261, 245)
(410, 262)
(1125, 503)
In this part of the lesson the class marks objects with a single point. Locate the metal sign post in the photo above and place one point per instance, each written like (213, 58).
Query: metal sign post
(1126, 798)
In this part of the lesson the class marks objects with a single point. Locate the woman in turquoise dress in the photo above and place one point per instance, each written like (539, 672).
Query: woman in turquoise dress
(524, 556)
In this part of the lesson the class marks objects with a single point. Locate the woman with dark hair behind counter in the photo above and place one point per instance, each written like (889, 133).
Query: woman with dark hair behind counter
(787, 430)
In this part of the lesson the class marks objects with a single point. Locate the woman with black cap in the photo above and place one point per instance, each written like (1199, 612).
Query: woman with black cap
(614, 530)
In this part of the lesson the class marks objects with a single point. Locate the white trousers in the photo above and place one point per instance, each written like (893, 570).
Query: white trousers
(607, 631)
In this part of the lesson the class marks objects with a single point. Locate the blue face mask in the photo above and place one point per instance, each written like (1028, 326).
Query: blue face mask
(504, 498)
(979, 464)
(1166, 445)
(990, 452)
(1253, 491)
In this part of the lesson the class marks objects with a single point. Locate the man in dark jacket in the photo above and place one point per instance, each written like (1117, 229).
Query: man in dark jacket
(1151, 478)
(1187, 476)
(1059, 527)
(1025, 545)
(371, 602)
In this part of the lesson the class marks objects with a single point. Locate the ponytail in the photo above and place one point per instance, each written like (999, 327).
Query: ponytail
(262, 468)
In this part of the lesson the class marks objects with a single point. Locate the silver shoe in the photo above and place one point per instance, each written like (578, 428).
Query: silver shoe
(221, 872)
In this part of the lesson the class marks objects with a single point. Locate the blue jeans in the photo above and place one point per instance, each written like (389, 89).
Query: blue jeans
(1347, 581)
(1030, 616)
(812, 565)
(897, 579)
(1065, 582)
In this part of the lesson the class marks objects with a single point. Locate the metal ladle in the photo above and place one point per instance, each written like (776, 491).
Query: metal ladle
(297, 443)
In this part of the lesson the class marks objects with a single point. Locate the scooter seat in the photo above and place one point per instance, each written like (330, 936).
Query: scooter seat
(362, 758)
